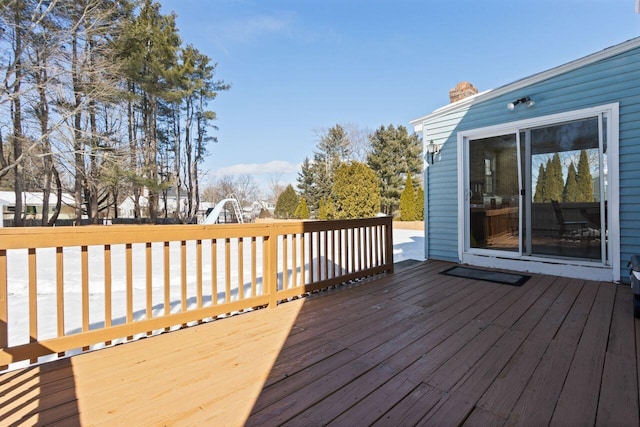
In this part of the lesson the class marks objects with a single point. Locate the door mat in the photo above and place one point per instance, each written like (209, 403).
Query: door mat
(487, 275)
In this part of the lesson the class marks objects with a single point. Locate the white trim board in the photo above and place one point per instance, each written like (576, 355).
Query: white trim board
(550, 267)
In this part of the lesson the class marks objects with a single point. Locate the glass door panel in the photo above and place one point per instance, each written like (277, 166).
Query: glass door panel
(493, 208)
(565, 190)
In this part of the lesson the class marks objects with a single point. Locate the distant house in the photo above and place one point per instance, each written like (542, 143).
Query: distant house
(263, 207)
(126, 209)
(167, 202)
(489, 198)
(32, 203)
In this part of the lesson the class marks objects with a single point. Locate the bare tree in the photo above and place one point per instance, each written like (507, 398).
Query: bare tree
(276, 187)
(59, 81)
(359, 142)
(209, 194)
(243, 187)
(16, 17)
(87, 85)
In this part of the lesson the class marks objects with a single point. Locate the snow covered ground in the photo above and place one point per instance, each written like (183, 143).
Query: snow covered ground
(407, 244)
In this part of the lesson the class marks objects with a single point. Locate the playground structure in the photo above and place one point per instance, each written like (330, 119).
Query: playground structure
(213, 217)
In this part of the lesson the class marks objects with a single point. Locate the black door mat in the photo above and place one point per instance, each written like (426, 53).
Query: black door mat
(487, 275)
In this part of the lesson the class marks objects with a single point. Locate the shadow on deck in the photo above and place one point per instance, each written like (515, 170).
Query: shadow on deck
(410, 348)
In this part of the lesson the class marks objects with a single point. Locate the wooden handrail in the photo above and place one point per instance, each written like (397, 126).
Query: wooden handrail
(296, 257)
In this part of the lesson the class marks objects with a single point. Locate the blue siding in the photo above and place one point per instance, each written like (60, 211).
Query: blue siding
(615, 79)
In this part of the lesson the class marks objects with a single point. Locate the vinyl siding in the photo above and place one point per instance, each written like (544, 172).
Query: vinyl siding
(615, 79)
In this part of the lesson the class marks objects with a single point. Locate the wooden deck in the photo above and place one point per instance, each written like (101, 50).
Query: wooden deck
(411, 348)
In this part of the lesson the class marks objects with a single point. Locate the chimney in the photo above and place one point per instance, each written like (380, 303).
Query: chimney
(461, 91)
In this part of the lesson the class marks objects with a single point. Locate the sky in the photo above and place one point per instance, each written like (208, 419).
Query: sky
(299, 67)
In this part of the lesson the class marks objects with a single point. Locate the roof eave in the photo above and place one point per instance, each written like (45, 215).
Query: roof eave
(531, 80)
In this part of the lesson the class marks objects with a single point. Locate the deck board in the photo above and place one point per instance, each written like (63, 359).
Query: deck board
(538, 401)
(578, 402)
(619, 367)
(504, 392)
(410, 348)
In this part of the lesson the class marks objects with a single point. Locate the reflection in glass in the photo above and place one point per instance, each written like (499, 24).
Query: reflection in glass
(566, 209)
(493, 193)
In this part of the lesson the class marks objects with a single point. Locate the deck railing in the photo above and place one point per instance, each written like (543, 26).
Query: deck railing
(65, 290)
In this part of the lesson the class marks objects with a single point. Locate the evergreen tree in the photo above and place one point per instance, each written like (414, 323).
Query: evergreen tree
(585, 180)
(286, 204)
(326, 209)
(306, 183)
(302, 212)
(539, 195)
(149, 44)
(330, 208)
(407, 201)
(332, 150)
(571, 192)
(420, 204)
(393, 153)
(322, 210)
(356, 191)
(196, 90)
(554, 184)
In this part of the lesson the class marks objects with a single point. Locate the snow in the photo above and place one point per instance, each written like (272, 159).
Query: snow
(407, 244)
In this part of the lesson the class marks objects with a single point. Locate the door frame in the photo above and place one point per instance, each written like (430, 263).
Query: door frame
(557, 266)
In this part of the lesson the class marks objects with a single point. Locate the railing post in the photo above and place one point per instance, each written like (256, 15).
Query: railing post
(271, 267)
(4, 322)
(389, 244)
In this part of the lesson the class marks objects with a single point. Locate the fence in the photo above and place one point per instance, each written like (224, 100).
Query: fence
(64, 290)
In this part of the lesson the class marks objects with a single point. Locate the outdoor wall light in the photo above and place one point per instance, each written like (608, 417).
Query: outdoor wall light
(528, 102)
(433, 149)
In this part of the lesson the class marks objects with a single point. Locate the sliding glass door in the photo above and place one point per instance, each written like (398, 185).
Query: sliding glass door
(566, 186)
(494, 202)
(539, 191)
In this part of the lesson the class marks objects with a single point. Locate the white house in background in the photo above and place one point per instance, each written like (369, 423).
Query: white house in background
(169, 203)
(32, 204)
(3, 203)
(126, 209)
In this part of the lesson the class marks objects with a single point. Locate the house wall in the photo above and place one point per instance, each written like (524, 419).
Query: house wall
(615, 79)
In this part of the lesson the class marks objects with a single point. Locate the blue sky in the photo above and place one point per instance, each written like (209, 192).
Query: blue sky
(301, 66)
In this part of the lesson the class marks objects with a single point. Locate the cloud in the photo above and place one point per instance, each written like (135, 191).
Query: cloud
(277, 167)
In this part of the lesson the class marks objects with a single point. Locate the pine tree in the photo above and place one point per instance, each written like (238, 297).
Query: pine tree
(322, 211)
(539, 196)
(332, 150)
(407, 201)
(286, 204)
(306, 184)
(571, 191)
(393, 153)
(585, 180)
(356, 191)
(554, 184)
(302, 212)
(150, 45)
(420, 204)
